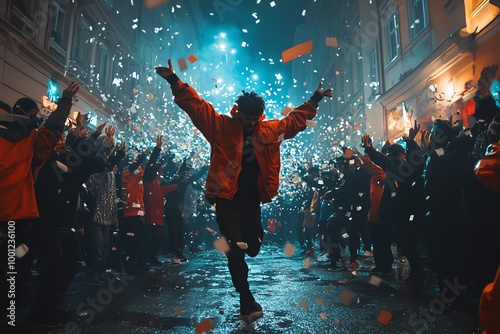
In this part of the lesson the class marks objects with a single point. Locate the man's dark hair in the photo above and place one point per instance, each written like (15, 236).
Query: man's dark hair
(5, 107)
(250, 104)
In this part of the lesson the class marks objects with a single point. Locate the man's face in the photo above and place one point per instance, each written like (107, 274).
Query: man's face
(248, 122)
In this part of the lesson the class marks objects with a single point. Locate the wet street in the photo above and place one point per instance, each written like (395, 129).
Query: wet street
(298, 295)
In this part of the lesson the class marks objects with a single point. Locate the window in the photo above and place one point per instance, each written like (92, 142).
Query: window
(417, 17)
(373, 73)
(102, 69)
(57, 27)
(392, 36)
(83, 45)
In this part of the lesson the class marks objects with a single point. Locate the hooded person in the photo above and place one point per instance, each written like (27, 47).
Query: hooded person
(244, 169)
(24, 148)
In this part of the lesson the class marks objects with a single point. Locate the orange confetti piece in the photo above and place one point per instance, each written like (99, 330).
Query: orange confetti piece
(289, 249)
(384, 317)
(178, 310)
(329, 287)
(154, 3)
(205, 326)
(307, 263)
(182, 64)
(192, 58)
(296, 51)
(332, 41)
(305, 305)
(346, 297)
(286, 111)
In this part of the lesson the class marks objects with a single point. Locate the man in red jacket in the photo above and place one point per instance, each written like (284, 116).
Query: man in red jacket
(154, 198)
(244, 169)
(24, 148)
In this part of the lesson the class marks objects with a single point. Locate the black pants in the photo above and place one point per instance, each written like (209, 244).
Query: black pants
(175, 224)
(381, 237)
(336, 223)
(240, 222)
(59, 256)
(153, 238)
(406, 235)
(98, 236)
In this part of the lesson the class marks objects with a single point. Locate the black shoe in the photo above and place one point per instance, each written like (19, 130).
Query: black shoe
(251, 312)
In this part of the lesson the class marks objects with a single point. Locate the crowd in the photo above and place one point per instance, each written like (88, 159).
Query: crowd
(79, 197)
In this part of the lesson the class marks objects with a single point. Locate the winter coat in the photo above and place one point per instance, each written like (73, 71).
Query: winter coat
(23, 151)
(225, 135)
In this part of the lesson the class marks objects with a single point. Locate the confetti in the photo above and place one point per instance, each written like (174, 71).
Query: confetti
(154, 3)
(332, 41)
(305, 305)
(182, 64)
(318, 301)
(289, 249)
(205, 326)
(178, 310)
(192, 59)
(296, 51)
(311, 124)
(384, 317)
(375, 280)
(286, 111)
(346, 297)
(323, 316)
(307, 263)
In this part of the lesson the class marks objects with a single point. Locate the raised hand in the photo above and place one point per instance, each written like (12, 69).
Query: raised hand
(327, 92)
(425, 137)
(110, 131)
(414, 131)
(366, 141)
(164, 72)
(123, 146)
(79, 119)
(100, 127)
(159, 140)
(71, 91)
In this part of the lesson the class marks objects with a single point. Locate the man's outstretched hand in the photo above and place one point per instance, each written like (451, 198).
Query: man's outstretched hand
(326, 92)
(164, 72)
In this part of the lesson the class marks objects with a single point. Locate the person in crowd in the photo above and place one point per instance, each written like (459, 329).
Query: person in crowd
(482, 230)
(24, 148)
(154, 197)
(445, 171)
(326, 192)
(244, 169)
(402, 206)
(310, 207)
(352, 205)
(132, 199)
(175, 208)
(381, 233)
(104, 214)
(487, 100)
(57, 191)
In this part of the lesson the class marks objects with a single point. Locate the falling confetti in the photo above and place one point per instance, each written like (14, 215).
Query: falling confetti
(289, 249)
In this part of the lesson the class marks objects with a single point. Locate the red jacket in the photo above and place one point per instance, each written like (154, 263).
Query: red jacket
(225, 135)
(154, 197)
(376, 187)
(23, 152)
(133, 193)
